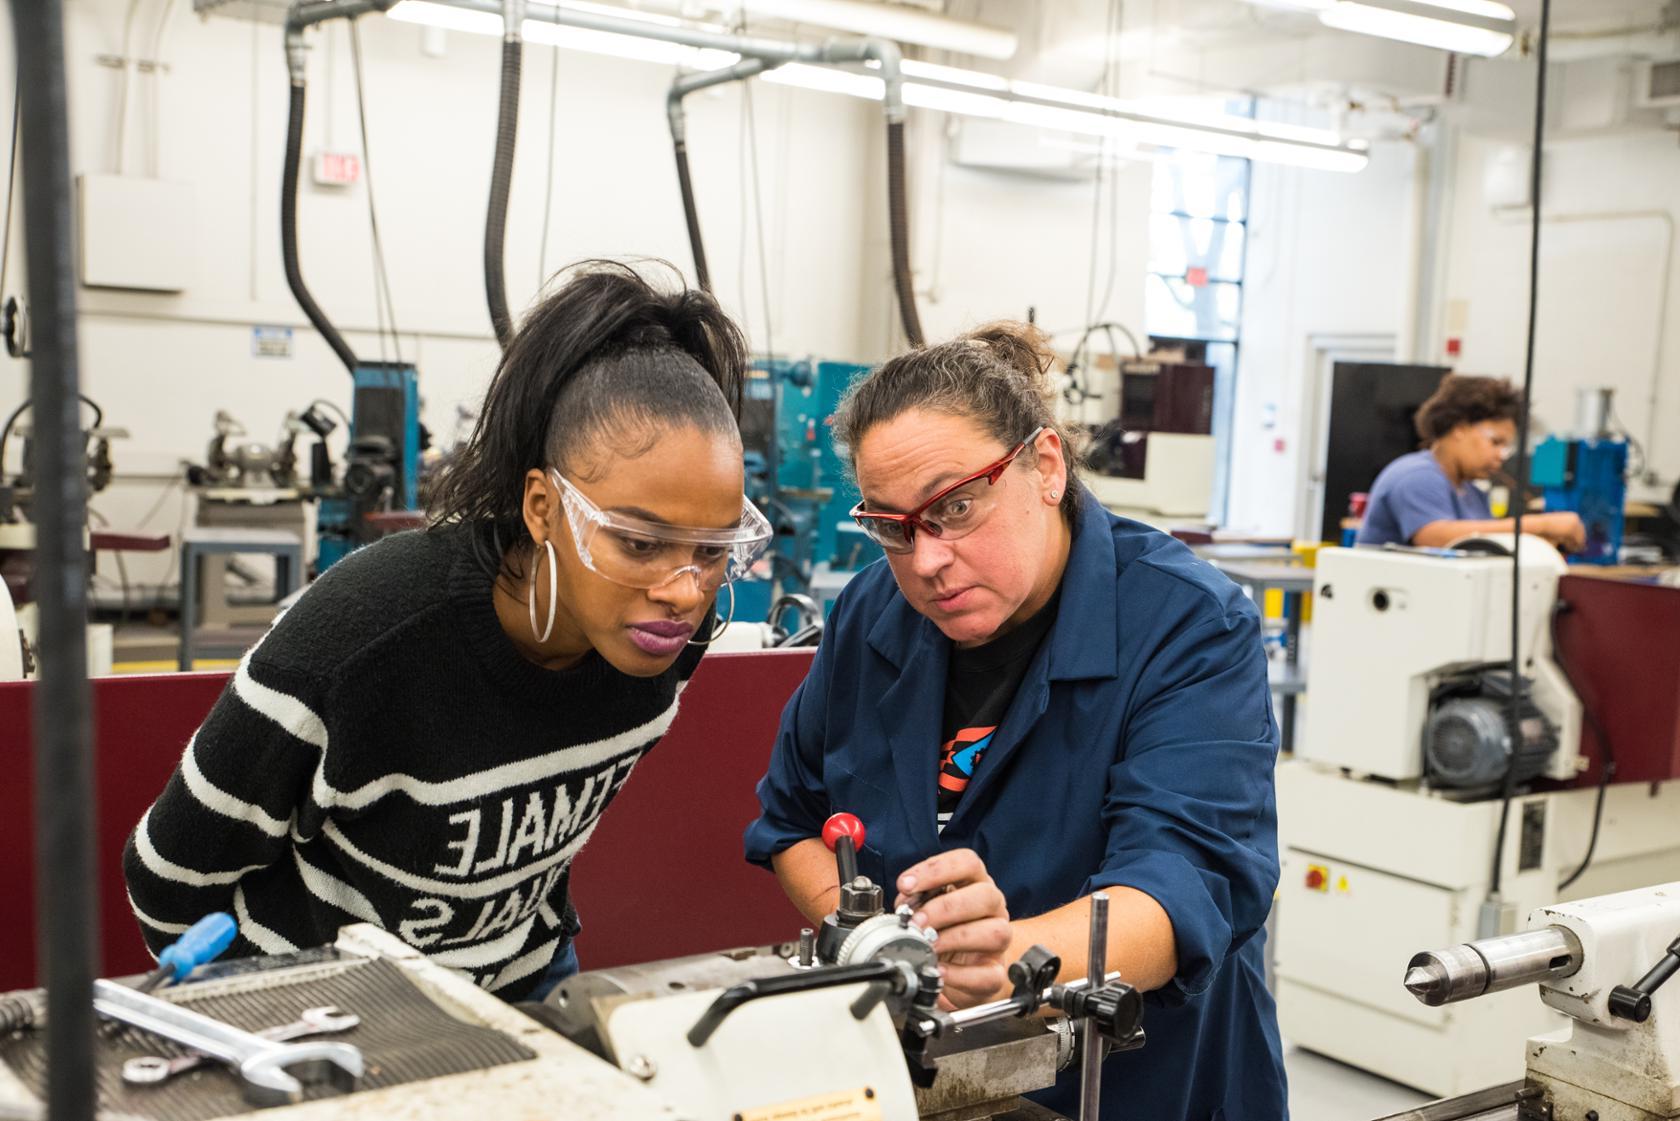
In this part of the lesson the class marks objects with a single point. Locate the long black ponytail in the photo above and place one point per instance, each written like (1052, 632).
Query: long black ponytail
(607, 354)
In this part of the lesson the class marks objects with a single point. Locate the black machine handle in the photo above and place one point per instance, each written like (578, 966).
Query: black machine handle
(1115, 1010)
(1030, 975)
(747, 991)
(1635, 1003)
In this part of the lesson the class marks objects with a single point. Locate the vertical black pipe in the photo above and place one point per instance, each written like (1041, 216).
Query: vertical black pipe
(501, 182)
(692, 217)
(289, 229)
(677, 117)
(898, 212)
(64, 795)
(1519, 488)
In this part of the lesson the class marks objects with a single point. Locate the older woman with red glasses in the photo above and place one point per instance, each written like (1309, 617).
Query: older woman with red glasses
(1033, 700)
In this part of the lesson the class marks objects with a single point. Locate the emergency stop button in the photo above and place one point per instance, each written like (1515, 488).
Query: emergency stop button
(1318, 877)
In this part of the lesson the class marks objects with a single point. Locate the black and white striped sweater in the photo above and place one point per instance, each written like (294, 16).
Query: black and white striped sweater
(385, 755)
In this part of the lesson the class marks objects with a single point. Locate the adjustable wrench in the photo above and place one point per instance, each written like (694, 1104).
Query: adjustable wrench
(270, 1071)
(152, 1069)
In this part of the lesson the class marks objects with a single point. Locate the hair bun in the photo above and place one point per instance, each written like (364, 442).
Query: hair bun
(1020, 346)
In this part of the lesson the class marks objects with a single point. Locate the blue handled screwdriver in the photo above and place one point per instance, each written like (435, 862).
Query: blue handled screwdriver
(204, 941)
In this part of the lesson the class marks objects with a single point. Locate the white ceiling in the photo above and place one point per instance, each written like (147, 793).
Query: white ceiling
(1245, 45)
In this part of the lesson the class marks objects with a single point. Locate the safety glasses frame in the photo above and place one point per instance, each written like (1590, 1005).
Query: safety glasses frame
(746, 541)
(913, 521)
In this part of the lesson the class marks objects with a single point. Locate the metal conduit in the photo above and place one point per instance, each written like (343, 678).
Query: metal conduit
(63, 720)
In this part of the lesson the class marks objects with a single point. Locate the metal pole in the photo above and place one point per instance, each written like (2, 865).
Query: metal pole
(307, 14)
(883, 52)
(1090, 1070)
(64, 795)
(775, 50)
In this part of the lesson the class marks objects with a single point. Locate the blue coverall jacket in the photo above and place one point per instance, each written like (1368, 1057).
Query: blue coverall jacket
(1138, 751)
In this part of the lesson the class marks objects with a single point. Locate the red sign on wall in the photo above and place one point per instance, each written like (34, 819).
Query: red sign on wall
(337, 169)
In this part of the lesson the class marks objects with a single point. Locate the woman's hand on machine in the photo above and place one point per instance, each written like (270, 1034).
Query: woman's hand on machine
(954, 895)
(1563, 529)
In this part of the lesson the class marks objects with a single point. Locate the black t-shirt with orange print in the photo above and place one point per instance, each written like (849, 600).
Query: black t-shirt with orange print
(979, 685)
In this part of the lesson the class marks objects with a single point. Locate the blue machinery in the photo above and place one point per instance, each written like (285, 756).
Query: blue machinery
(795, 475)
(381, 462)
(1588, 476)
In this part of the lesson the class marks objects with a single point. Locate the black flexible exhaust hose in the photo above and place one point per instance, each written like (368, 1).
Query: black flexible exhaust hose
(501, 181)
(692, 217)
(899, 215)
(288, 233)
(68, 923)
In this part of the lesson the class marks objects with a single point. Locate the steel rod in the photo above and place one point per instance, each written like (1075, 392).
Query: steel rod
(1010, 1006)
(1090, 1070)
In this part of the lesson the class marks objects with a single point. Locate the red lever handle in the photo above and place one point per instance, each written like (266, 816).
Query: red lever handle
(843, 825)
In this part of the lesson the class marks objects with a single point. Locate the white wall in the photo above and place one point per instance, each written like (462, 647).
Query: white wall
(163, 364)
(992, 244)
(1331, 256)
(1327, 257)
(1609, 311)
(986, 245)
(998, 244)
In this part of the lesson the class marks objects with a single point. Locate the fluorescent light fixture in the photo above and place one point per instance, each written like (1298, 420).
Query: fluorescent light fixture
(1073, 111)
(946, 89)
(1474, 27)
(1295, 5)
(887, 21)
(951, 75)
(633, 47)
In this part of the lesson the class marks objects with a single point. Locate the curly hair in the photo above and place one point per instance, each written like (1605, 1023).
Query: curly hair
(1466, 399)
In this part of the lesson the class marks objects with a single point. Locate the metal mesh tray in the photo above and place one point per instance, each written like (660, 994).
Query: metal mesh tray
(404, 1037)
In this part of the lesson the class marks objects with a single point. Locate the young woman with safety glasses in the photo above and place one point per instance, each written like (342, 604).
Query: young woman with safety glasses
(1034, 700)
(428, 737)
(1429, 497)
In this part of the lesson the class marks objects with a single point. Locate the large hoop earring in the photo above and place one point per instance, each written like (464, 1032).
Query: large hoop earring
(553, 591)
(717, 632)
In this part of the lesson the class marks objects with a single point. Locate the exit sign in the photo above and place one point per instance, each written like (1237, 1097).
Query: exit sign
(337, 169)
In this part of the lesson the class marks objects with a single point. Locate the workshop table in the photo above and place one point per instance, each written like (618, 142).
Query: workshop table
(1295, 581)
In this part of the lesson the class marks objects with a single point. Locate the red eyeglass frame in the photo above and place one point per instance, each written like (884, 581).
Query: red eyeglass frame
(913, 520)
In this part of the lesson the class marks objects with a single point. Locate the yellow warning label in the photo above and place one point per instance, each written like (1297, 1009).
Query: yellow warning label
(1341, 884)
(841, 1105)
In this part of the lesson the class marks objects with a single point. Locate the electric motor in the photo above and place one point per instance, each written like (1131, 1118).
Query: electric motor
(1467, 740)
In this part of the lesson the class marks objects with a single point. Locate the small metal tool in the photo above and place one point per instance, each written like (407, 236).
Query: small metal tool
(271, 1072)
(326, 1020)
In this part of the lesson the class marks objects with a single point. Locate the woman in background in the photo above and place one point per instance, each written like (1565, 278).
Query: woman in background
(1426, 497)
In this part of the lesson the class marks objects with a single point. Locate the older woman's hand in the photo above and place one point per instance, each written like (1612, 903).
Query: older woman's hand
(953, 894)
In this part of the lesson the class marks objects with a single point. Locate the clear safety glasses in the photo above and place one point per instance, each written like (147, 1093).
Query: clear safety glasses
(959, 509)
(1501, 444)
(638, 553)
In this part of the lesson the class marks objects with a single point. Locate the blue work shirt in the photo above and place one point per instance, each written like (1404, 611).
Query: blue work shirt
(1138, 751)
(1410, 493)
